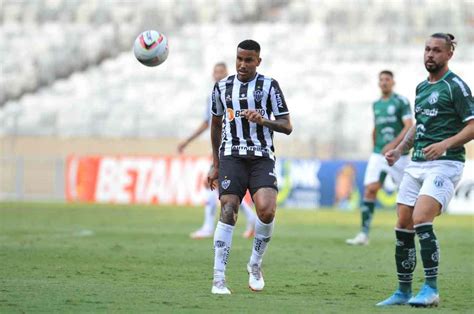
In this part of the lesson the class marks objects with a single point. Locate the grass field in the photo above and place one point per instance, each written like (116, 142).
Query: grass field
(90, 258)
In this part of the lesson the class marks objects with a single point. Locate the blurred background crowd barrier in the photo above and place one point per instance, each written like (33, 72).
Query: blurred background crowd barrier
(69, 83)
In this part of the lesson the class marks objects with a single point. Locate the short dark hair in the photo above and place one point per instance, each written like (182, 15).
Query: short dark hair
(220, 64)
(387, 72)
(450, 40)
(249, 44)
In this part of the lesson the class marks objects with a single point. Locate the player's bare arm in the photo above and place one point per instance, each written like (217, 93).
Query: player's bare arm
(407, 124)
(216, 134)
(181, 146)
(393, 155)
(281, 124)
(436, 150)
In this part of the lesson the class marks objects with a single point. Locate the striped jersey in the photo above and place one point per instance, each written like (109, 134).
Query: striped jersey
(239, 136)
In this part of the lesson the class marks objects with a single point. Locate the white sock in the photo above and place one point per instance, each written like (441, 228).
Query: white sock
(263, 234)
(249, 214)
(210, 211)
(222, 244)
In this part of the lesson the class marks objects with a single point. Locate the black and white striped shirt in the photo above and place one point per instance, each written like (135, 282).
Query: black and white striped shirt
(239, 136)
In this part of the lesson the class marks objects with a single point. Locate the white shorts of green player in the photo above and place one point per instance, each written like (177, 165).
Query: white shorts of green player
(437, 179)
(377, 164)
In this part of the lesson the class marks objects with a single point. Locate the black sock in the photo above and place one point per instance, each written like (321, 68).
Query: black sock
(429, 249)
(367, 211)
(405, 258)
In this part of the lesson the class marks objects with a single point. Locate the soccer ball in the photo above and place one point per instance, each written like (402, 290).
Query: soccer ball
(151, 48)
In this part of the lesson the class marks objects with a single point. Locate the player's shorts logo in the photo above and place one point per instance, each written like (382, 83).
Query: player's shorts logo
(438, 181)
(433, 98)
(225, 184)
(258, 95)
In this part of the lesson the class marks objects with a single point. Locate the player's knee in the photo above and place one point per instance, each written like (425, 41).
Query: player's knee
(421, 219)
(266, 212)
(266, 216)
(370, 192)
(229, 211)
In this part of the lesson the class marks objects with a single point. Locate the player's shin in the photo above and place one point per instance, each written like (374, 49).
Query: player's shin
(210, 210)
(222, 245)
(367, 212)
(405, 258)
(429, 248)
(263, 234)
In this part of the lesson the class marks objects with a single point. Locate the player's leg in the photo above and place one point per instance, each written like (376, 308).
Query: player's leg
(207, 229)
(265, 203)
(405, 256)
(223, 241)
(405, 252)
(435, 194)
(232, 187)
(263, 188)
(247, 210)
(374, 177)
(426, 209)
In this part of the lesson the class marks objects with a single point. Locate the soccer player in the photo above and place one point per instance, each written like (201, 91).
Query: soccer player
(444, 112)
(207, 229)
(392, 120)
(243, 157)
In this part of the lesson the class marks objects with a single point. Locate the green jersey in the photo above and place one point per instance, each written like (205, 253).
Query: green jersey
(388, 118)
(441, 110)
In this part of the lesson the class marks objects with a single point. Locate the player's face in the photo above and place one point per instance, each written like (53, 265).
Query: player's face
(246, 64)
(219, 72)
(386, 83)
(437, 54)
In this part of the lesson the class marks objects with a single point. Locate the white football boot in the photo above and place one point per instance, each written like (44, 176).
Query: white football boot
(256, 282)
(360, 239)
(202, 234)
(220, 287)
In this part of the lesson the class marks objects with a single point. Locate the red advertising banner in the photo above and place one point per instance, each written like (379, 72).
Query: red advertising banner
(127, 179)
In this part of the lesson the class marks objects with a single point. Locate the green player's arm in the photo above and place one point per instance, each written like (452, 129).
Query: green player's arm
(466, 135)
(407, 124)
(281, 124)
(373, 136)
(407, 143)
(436, 150)
(216, 136)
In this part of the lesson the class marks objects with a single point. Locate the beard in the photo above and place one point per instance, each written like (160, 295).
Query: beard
(433, 67)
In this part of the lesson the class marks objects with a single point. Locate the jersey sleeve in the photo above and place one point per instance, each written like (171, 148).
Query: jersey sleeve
(277, 99)
(463, 101)
(405, 109)
(217, 108)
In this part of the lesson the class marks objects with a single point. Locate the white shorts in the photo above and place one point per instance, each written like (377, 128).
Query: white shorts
(377, 164)
(437, 178)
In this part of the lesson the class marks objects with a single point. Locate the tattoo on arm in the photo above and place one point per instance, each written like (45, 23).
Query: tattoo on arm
(408, 141)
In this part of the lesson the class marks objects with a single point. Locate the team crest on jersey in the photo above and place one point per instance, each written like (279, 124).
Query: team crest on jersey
(433, 98)
(438, 181)
(391, 109)
(225, 184)
(258, 95)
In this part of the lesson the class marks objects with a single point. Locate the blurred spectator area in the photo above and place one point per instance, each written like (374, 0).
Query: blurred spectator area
(67, 69)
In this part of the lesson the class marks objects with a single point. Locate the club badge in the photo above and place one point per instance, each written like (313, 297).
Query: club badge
(225, 184)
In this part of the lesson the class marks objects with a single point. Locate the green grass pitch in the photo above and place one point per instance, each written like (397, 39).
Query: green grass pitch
(135, 259)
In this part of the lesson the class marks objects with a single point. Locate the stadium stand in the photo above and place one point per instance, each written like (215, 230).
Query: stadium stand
(67, 68)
